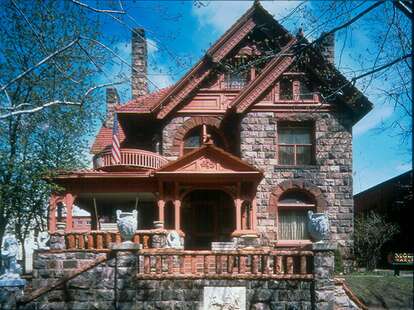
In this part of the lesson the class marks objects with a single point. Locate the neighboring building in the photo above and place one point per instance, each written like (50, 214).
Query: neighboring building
(238, 150)
(394, 200)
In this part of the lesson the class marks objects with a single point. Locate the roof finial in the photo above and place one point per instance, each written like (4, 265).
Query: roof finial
(256, 2)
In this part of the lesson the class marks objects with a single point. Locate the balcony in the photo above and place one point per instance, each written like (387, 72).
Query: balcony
(130, 157)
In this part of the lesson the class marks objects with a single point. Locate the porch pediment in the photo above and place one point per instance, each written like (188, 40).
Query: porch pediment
(209, 159)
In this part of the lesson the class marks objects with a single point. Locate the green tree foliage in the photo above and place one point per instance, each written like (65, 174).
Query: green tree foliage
(371, 233)
(33, 145)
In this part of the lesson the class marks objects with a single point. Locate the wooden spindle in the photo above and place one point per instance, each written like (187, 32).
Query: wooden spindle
(193, 264)
(71, 241)
(230, 263)
(158, 264)
(81, 241)
(182, 263)
(218, 264)
(170, 264)
(90, 241)
(206, 271)
(265, 266)
(303, 264)
(278, 264)
(99, 241)
(255, 264)
(289, 265)
(242, 265)
(145, 241)
(147, 264)
(108, 239)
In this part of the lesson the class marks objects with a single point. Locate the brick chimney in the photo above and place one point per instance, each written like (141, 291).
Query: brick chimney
(327, 47)
(112, 99)
(139, 85)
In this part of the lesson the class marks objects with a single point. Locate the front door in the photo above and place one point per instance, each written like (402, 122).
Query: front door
(207, 216)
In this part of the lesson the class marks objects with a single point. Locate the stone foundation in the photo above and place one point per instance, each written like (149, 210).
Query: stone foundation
(104, 286)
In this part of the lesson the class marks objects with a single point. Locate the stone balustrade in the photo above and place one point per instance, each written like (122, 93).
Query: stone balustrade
(242, 264)
(130, 157)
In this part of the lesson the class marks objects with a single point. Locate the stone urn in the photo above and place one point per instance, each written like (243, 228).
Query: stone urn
(318, 226)
(127, 224)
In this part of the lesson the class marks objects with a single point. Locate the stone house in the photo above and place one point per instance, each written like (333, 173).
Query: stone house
(231, 157)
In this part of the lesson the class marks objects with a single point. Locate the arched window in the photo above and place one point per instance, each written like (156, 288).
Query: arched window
(193, 139)
(293, 206)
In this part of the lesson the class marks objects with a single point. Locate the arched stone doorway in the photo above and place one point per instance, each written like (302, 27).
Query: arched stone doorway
(207, 216)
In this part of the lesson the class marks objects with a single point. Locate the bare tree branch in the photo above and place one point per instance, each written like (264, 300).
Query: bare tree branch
(95, 9)
(57, 52)
(15, 110)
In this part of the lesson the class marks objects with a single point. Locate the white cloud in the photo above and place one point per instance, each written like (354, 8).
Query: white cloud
(222, 14)
(373, 119)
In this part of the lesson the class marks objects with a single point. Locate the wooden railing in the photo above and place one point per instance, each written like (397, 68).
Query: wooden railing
(167, 263)
(130, 157)
(101, 240)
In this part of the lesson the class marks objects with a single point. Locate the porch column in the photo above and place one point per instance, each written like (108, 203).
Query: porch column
(238, 214)
(254, 214)
(52, 214)
(161, 204)
(177, 207)
(69, 199)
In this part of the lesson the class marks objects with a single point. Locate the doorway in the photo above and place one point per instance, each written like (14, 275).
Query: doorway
(207, 216)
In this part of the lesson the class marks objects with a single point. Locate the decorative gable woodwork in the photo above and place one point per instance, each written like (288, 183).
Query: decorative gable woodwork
(209, 159)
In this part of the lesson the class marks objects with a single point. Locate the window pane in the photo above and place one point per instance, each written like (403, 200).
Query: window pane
(236, 80)
(303, 155)
(302, 135)
(295, 135)
(286, 90)
(305, 92)
(193, 139)
(292, 225)
(286, 155)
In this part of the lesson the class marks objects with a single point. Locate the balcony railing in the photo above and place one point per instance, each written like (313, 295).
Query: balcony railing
(130, 157)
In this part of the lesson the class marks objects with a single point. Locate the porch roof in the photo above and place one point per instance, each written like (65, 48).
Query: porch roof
(209, 162)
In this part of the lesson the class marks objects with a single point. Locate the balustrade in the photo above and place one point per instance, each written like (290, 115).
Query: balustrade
(130, 157)
(166, 263)
(101, 240)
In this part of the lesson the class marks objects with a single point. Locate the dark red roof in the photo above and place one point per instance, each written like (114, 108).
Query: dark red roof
(143, 104)
(104, 139)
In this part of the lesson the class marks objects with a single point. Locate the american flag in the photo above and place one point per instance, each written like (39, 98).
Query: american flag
(116, 148)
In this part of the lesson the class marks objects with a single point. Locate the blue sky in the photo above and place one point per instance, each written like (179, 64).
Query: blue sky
(179, 32)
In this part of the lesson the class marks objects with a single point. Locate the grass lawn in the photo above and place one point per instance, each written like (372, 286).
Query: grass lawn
(383, 290)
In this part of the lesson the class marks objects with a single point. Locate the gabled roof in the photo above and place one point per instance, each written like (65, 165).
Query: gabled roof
(223, 46)
(103, 139)
(165, 101)
(143, 104)
(210, 160)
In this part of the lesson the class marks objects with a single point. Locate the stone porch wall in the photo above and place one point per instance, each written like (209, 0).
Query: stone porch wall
(94, 289)
(332, 172)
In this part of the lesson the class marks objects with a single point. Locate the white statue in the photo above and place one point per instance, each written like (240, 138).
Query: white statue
(318, 226)
(174, 240)
(127, 224)
(42, 240)
(11, 269)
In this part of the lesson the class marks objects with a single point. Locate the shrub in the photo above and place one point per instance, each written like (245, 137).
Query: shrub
(372, 231)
